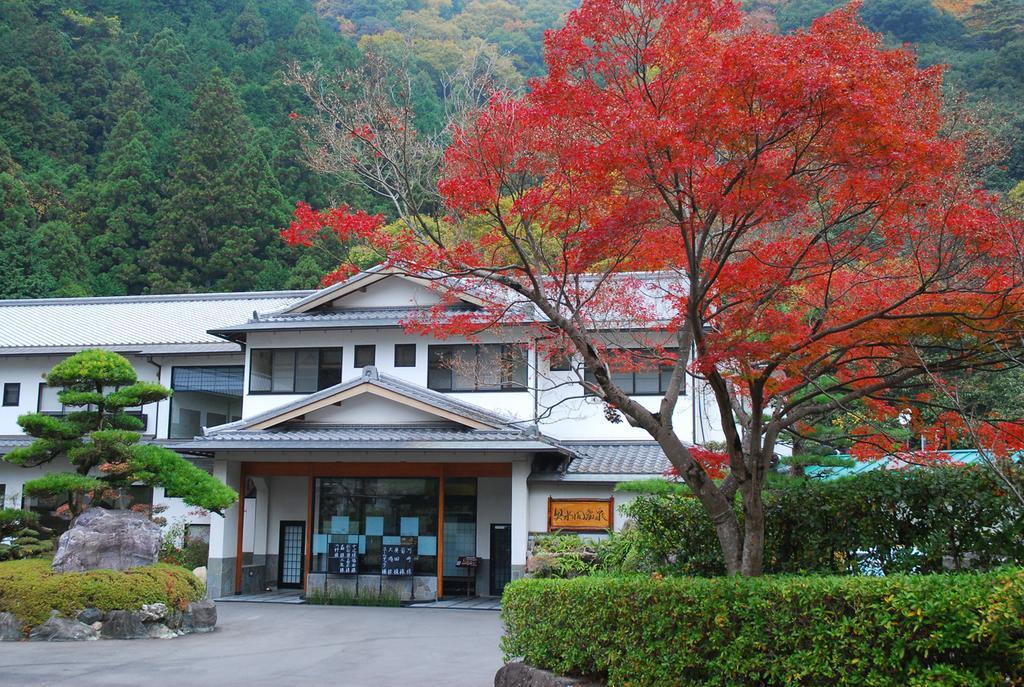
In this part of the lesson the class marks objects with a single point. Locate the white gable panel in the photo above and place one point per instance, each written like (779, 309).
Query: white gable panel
(390, 292)
(370, 409)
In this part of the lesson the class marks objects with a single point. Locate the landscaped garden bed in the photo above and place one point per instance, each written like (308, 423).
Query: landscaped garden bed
(956, 629)
(158, 601)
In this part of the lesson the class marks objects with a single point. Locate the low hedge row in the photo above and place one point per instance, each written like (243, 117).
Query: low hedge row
(30, 590)
(965, 630)
(891, 521)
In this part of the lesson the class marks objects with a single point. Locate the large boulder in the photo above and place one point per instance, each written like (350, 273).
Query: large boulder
(108, 539)
(204, 615)
(124, 625)
(518, 674)
(10, 627)
(58, 629)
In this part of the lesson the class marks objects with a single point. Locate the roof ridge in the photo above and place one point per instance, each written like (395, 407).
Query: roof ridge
(155, 298)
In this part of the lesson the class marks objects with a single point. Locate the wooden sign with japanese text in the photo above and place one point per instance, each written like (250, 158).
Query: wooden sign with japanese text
(342, 559)
(581, 515)
(396, 560)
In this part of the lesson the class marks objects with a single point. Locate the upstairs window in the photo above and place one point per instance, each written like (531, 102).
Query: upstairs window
(405, 355)
(204, 396)
(477, 367)
(364, 356)
(293, 370)
(12, 393)
(643, 378)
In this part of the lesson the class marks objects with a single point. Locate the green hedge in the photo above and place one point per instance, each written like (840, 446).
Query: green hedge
(30, 589)
(963, 629)
(909, 521)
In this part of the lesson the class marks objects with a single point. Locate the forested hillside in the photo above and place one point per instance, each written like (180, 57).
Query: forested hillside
(146, 145)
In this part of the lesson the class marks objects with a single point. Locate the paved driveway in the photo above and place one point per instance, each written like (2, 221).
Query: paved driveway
(279, 644)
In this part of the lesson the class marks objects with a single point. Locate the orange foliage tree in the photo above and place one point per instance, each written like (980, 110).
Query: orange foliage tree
(810, 221)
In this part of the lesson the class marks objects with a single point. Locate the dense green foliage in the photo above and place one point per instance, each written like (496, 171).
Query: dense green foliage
(30, 589)
(21, 535)
(963, 630)
(101, 440)
(920, 520)
(983, 49)
(147, 146)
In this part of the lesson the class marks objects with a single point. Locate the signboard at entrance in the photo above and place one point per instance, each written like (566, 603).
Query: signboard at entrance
(342, 559)
(396, 560)
(581, 515)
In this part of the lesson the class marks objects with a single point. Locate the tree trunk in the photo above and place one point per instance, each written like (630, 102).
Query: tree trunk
(753, 530)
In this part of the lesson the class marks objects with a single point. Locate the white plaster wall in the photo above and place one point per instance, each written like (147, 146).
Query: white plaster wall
(287, 502)
(388, 292)
(368, 409)
(493, 506)
(540, 491)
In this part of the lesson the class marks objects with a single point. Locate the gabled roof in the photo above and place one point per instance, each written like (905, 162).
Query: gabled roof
(441, 406)
(142, 324)
(368, 278)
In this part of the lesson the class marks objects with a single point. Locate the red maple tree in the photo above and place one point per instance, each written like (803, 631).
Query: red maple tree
(812, 223)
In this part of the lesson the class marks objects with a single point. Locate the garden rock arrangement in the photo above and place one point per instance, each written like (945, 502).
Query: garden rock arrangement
(152, 621)
(519, 674)
(108, 540)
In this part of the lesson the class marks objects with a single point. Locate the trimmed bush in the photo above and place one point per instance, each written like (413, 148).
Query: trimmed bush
(920, 520)
(30, 589)
(963, 629)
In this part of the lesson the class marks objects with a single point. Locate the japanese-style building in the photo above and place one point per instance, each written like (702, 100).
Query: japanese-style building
(365, 458)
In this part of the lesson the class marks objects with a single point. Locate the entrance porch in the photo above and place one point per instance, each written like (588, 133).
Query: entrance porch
(405, 527)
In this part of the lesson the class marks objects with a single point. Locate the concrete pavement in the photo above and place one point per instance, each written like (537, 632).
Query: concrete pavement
(280, 644)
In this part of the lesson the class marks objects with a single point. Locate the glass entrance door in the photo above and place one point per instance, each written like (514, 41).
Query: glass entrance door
(291, 554)
(501, 558)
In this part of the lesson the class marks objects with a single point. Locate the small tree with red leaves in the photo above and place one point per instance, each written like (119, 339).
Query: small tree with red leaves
(804, 212)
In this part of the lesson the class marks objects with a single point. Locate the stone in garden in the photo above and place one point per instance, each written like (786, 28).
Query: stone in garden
(90, 616)
(204, 615)
(124, 625)
(152, 612)
(161, 631)
(58, 629)
(518, 674)
(200, 572)
(108, 539)
(10, 627)
(180, 621)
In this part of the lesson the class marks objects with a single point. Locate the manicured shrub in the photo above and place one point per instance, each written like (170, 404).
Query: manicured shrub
(962, 629)
(30, 589)
(921, 520)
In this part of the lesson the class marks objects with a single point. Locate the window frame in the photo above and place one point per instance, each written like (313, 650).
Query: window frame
(295, 369)
(170, 401)
(505, 387)
(362, 348)
(406, 347)
(16, 388)
(661, 369)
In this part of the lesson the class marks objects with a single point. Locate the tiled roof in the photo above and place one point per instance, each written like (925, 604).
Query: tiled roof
(368, 437)
(617, 458)
(371, 376)
(355, 317)
(148, 324)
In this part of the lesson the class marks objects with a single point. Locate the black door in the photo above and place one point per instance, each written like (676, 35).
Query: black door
(291, 558)
(501, 558)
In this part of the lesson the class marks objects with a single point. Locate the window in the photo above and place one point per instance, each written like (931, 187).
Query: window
(370, 513)
(405, 355)
(477, 367)
(364, 356)
(293, 370)
(646, 378)
(3, 496)
(48, 402)
(12, 393)
(204, 397)
(560, 362)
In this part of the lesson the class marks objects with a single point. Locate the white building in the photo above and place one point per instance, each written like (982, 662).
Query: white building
(365, 455)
